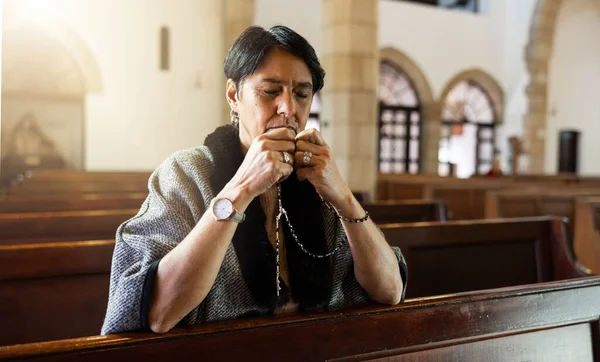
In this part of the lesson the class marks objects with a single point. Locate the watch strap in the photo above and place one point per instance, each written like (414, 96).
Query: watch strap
(237, 216)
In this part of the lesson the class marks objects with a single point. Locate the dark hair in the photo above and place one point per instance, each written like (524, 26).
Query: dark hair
(255, 43)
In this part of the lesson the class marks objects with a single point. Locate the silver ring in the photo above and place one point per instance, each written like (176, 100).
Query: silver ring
(306, 159)
(286, 157)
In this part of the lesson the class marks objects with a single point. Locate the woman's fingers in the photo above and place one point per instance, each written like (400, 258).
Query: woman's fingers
(311, 135)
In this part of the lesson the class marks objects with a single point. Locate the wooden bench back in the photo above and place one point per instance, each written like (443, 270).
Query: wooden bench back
(539, 201)
(53, 291)
(83, 203)
(385, 212)
(587, 232)
(546, 322)
(77, 187)
(458, 256)
(32, 227)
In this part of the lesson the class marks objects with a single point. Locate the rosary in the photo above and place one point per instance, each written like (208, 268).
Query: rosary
(283, 212)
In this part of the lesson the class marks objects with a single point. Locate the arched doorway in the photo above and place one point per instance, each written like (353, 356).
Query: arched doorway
(468, 131)
(47, 72)
(472, 109)
(42, 103)
(399, 122)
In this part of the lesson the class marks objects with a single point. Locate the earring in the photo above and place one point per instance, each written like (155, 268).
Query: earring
(235, 117)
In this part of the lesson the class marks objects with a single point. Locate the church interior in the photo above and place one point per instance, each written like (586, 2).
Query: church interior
(465, 129)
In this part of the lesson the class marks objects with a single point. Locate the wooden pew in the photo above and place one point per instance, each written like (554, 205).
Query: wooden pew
(76, 203)
(465, 198)
(555, 321)
(78, 182)
(587, 232)
(458, 256)
(442, 258)
(54, 290)
(534, 202)
(385, 212)
(77, 187)
(37, 227)
(62, 175)
(537, 202)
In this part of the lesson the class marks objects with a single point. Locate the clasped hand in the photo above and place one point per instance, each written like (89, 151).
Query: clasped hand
(265, 163)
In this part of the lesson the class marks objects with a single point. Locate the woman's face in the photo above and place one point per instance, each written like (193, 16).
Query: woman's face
(278, 94)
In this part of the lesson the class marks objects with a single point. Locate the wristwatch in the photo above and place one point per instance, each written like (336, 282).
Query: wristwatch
(223, 210)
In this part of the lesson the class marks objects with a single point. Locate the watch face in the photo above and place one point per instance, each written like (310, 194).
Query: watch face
(223, 209)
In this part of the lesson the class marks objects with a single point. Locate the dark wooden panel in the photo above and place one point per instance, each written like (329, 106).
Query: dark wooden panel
(586, 238)
(45, 309)
(458, 256)
(126, 201)
(385, 212)
(53, 291)
(571, 343)
(371, 332)
(27, 228)
(78, 187)
(55, 259)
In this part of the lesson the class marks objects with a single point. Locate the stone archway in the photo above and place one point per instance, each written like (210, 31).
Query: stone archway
(430, 128)
(47, 71)
(487, 82)
(537, 55)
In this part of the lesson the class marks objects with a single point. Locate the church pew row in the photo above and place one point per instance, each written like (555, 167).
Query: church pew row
(555, 321)
(27, 188)
(535, 202)
(442, 258)
(28, 227)
(81, 203)
(66, 175)
(587, 232)
(547, 201)
(53, 291)
(465, 198)
(385, 212)
(459, 256)
(38, 227)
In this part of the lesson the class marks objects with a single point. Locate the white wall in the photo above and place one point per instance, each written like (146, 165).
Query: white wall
(574, 83)
(443, 42)
(304, 17)
(142, 114)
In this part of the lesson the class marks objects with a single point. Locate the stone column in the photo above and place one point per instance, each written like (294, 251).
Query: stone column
(431, 127)
(538, 54)
(349, 109)
(239, 14)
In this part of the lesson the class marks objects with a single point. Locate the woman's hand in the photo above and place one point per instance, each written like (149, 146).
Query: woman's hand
(321, 169)
(264, 164)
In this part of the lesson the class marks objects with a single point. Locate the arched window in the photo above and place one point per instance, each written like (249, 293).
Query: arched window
(399, 122)
(468, 131)
(314, 119)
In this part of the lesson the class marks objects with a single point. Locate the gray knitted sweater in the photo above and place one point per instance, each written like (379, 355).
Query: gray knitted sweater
(179, 194)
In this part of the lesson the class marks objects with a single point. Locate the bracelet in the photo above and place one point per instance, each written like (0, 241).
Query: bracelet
(356, 221)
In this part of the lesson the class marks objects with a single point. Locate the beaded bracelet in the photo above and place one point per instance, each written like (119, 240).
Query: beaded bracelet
(356, 221)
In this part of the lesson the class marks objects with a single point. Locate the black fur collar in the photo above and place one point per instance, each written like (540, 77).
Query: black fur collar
(310, 278)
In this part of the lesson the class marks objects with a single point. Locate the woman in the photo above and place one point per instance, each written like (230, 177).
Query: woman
(210, 242)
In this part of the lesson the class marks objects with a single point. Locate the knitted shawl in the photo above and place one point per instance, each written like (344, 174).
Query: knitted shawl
(180, 192)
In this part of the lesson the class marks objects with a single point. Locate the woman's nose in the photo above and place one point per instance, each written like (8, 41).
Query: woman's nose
(287, 105)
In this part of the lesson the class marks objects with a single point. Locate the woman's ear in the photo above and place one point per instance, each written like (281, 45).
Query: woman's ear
(231, 94)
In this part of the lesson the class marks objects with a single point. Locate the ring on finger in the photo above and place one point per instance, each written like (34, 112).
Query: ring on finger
(286, 157)
(306, 159)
